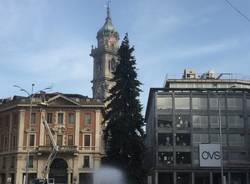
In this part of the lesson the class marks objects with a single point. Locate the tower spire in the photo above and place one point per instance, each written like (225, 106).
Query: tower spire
(108, 9)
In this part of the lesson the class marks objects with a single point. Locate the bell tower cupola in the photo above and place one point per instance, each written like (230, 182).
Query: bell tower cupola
(105, 58)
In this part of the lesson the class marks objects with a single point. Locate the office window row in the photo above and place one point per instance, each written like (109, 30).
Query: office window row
(182, 121)
(200, 103)
(181, 139)
(184, 139)
(166, 158)
(227, 140)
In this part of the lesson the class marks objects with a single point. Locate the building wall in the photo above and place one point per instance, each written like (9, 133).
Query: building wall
(13, 143)
(184, 119)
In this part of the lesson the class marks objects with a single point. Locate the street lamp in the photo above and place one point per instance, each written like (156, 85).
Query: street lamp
(223, 179)
(30, 95)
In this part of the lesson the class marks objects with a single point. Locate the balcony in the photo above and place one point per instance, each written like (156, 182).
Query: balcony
(62, 149)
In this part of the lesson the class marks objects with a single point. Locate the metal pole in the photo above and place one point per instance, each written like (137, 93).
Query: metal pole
(28, 138)
(221, 146)
(29, 125)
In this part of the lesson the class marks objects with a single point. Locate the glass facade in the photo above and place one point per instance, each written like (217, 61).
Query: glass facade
(234, 103)
(236, 140)
(164, 103)
(235, 121)
(199, 103)
(215, 121)
(200, 139)
(214, 105)
(182, 103)
(189, 118)
(200, 121)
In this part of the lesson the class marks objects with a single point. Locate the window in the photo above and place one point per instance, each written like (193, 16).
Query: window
(248, 121)
(87, 119)
(86, 161)
(32, 140)
(248, 104)
(14, 141)
(70, 140)
(87, 140)
(183, 158)
(59, 140)
(213, 103)
(199, 103)
(234, 104)
(33, 118)
(235, 121)
(182, 121)
(165, 139)
(236, 140)
(166, 158)
(183, 139)
(4, 163)
(164, 102)
(182, 103)
(200, 139)
(49, 118)
(214, 121)
(200, 121)
(60, 118)
(72, 118)
(238, 156)
(31, 160)
(165, 121)
(12, 163)
(215, 138)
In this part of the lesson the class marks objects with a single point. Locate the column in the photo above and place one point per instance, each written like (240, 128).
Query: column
(69, 176)
(156, 177)
(98, 130)
(193, 178)
(175, 178)
(42, 128)
(77, 128)
(247, 177)
(20, 168)
(229, 177)
(75, 166)
(21, 130)
(211, 178)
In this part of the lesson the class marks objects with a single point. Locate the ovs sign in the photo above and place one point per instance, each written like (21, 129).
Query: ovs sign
(210, 155)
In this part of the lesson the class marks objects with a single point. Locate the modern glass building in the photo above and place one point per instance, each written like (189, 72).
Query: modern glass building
(188, 112)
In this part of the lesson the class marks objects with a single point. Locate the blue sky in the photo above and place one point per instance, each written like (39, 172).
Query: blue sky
(47, 42)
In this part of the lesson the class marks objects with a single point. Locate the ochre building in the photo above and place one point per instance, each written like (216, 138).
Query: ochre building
(75, 122)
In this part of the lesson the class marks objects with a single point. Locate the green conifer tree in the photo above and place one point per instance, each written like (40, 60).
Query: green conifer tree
(124, 123)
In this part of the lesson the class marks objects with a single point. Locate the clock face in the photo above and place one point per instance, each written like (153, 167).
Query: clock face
(111, 41)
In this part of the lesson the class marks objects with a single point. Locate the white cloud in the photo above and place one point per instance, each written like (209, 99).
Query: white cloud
(202, 50)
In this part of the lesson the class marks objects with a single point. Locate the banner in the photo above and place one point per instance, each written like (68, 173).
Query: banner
(210, 155)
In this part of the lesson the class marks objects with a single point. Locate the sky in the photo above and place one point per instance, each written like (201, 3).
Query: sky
(48, 42)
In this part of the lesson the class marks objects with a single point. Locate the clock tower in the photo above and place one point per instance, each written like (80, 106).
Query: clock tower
(105, 58)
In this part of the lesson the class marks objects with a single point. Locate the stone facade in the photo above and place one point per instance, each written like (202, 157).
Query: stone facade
(75, 121)
(105, 59)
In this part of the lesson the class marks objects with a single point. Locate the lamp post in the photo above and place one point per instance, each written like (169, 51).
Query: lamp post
(223, 180)
(221, 141)
(30, 95)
